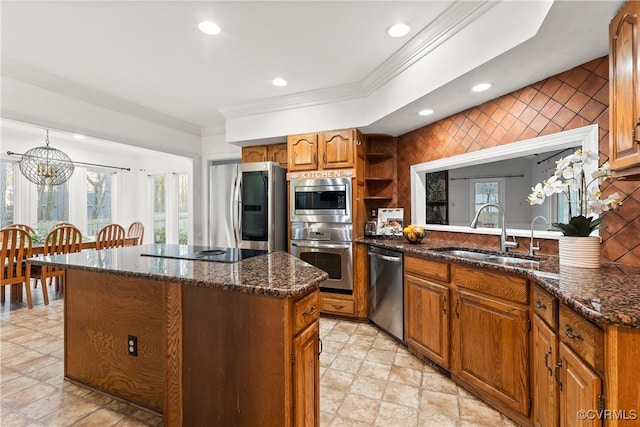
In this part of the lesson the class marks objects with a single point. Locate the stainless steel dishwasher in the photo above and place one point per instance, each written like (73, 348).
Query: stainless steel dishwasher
(386, 294)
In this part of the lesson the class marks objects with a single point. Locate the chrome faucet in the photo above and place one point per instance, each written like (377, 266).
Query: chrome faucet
(504, 244)
(531, 246)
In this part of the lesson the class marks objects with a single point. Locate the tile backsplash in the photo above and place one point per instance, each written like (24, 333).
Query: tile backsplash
(572, 99)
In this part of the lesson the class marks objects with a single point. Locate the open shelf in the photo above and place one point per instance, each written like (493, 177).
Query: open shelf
(379, 179)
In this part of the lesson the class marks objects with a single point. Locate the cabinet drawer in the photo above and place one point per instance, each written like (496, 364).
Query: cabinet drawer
(585, 338)
(338, 306)
(512, 288)
(546, 306)
(306, 311)
(427, 268)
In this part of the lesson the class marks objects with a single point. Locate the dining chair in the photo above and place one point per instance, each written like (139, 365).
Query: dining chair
(136, 230)
(14, 249)
(110, 236)
(24, 227)
(62, 239)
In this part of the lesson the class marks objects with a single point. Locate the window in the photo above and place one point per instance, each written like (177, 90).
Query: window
(183, 208)
(7, 186)
(98, 200)
(487, 191)
(159, 209)
(52, 206)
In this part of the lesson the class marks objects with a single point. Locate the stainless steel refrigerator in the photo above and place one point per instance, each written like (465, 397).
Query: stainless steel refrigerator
(247, 206)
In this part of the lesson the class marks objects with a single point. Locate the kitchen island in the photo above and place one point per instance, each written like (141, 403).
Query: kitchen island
(203, 343)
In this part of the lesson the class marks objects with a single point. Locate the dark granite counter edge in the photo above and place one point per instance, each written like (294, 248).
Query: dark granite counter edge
(548, 284)
(300, 290)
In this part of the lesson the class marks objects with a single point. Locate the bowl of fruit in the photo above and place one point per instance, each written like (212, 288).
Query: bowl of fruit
(414, 233)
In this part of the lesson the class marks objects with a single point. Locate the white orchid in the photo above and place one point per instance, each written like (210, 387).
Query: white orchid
(569, 177)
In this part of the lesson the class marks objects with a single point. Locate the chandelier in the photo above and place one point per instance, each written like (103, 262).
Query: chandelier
(46, 165)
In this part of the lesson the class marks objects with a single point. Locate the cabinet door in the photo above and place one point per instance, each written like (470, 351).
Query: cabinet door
(624, 85)
(306, 377)
(580, 390)
(278, 153)
(545, 386)
(426, 318)
(490, 348)
(303, 152)
(256, 153)
(336, 149)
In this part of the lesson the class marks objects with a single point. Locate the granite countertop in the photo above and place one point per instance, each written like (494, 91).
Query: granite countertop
(275, 274)
(609, 295)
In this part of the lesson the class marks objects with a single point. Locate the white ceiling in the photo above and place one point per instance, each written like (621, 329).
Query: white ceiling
(150, 54)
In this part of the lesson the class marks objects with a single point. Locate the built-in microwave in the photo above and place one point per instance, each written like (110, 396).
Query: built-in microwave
(321, 200)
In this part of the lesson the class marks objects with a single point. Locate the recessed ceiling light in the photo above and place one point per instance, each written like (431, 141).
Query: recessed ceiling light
(209, 27)
(398, 30)
(279, 82)
(78, 136)
(481, 87)
(427, 112)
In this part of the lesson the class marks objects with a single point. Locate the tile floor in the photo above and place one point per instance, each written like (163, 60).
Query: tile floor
(367, 379)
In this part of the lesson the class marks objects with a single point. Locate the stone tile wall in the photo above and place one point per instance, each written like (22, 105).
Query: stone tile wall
(572, 99)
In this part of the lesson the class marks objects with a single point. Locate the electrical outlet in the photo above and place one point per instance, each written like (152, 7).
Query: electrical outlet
(132, 345)
(374, 213)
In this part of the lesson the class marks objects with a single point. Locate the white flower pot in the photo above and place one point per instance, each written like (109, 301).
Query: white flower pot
(579, 251)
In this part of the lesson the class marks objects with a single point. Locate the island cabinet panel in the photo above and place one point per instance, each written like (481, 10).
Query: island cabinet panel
(234, 346)
(490, 349)
(101, 311)
(306, 385)
(249, 359)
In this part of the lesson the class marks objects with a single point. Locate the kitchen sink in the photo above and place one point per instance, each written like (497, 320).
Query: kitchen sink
(488, 257)
(467, 254)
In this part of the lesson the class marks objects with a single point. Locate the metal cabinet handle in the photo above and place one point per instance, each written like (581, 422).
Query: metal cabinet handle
(634, 134)
(337, 307)
(568, 330)
(311, 311)
(540, 304)
(557, 374)
(444, 305)
(320, 344)
(457, 309)
(546, 361)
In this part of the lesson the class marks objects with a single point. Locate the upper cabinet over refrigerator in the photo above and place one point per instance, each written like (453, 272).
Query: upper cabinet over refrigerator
(247, 206)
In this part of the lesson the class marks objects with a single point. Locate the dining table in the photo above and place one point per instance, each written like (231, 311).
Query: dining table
(38, 250)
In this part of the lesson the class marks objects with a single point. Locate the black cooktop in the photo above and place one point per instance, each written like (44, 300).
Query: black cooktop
(201, 253)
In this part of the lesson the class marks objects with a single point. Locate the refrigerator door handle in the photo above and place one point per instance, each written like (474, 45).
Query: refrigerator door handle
(237, 208)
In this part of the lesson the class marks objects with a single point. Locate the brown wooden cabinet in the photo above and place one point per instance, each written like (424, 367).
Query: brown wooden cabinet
(427, 318)
(266, 153)
(426, 302)
(580, 390)
(624, 96)
(490, 340)
(326, 150)
(543, 381)
(306, 376)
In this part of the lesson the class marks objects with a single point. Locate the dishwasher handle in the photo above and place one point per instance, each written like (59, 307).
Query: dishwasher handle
(386, 257)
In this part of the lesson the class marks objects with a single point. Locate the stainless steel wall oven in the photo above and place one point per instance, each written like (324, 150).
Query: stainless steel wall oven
(329, 247)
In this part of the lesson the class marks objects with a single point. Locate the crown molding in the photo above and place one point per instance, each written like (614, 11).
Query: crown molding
(22, 72)
(451, 21)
